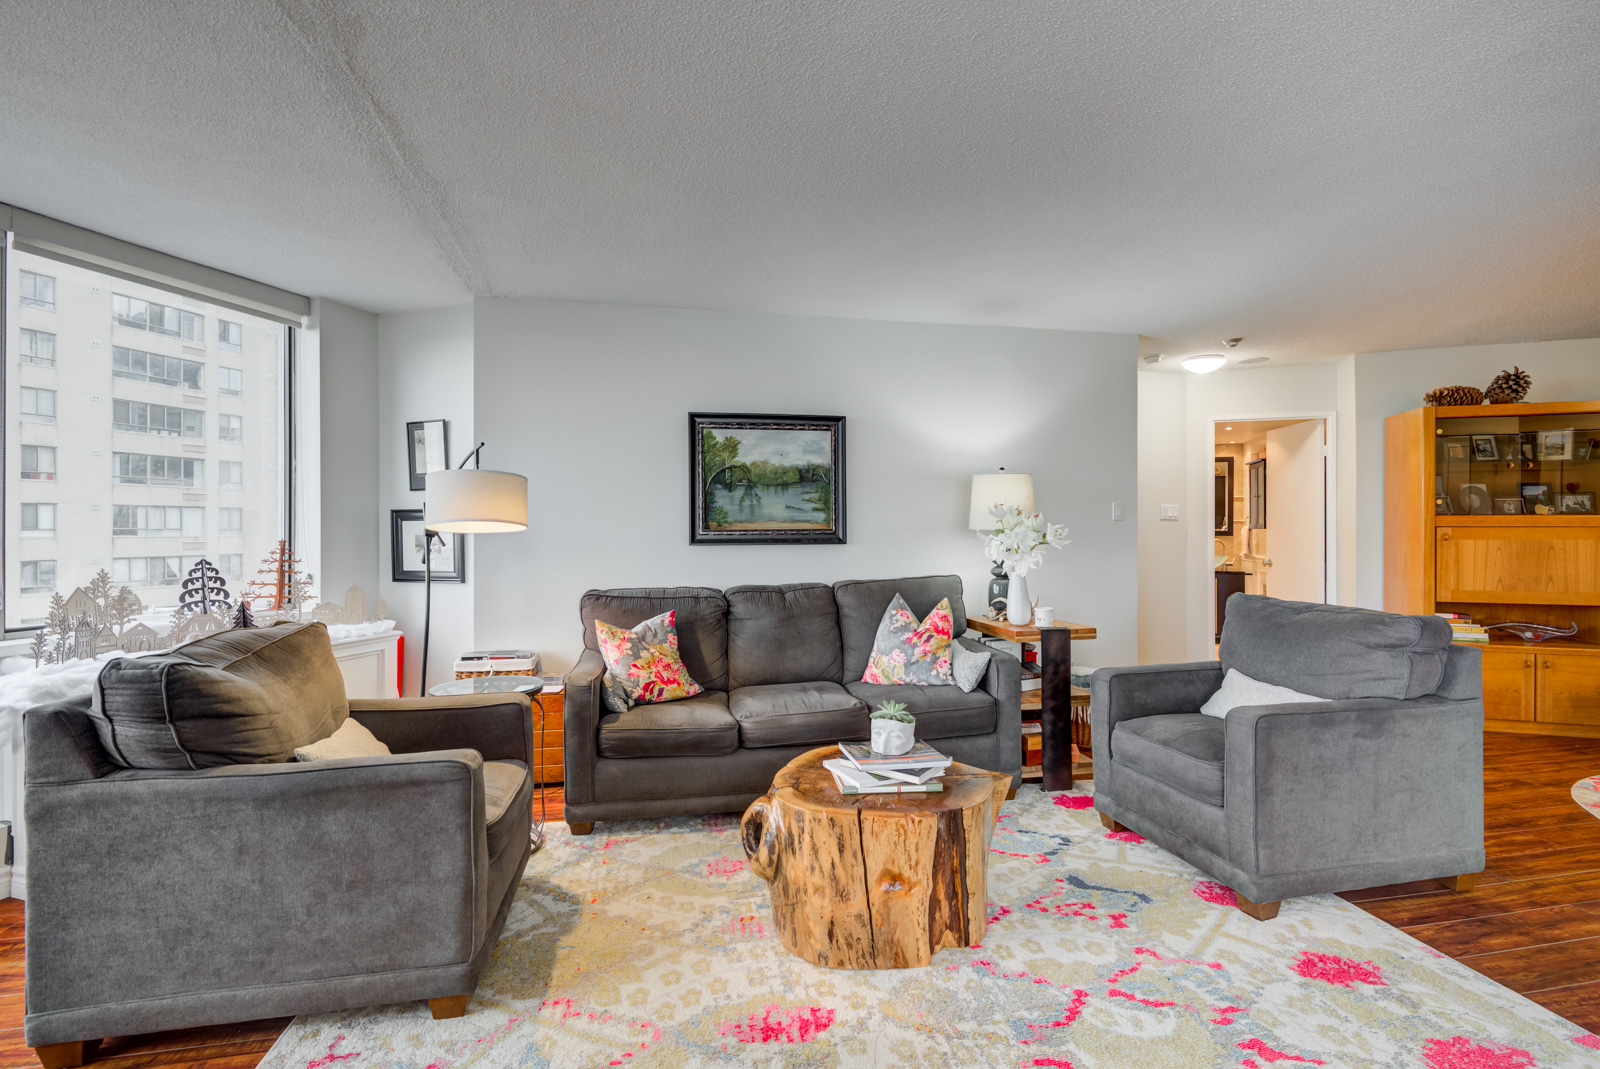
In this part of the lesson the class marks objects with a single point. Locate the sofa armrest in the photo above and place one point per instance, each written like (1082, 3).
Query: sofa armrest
(1002, 681)
(580, 726)
(1326, 784)
(1118, 694)
(498, 726)
(168, 884)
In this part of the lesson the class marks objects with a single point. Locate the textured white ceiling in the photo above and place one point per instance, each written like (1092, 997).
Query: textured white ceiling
(1321, 178)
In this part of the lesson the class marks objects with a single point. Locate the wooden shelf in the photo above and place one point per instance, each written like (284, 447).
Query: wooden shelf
(1027, 632)
(1032, 699)
(1521, 408)
(1444, 519)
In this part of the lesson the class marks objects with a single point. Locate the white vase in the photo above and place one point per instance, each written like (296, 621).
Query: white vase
(892, 737)
(1019, 610)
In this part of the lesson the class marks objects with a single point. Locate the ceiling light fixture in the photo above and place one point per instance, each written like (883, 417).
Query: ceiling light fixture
(1232, 343)
(1204, 365)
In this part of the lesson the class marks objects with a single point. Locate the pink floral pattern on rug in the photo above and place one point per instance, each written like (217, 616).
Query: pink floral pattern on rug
(1337, 970)
(1460, 1052)
(1586, 792)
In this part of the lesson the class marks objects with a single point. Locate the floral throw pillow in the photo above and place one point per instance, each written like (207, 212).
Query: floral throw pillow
(906, 651)
(642, 665)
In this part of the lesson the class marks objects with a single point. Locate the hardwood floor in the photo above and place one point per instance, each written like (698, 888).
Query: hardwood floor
(1532, 923)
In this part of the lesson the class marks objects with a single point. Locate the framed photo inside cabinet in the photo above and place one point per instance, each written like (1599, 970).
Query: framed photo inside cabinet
(1576, 504)
(1536, 496)
(758, 479)
(427, 449)
(1508, 506)
(1484, 447)
(1475, 500)
(408, 541)
(1555, 445)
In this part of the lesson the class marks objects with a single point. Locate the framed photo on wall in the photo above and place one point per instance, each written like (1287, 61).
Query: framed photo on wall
(407, 539)
(766, 479)
(427, 449)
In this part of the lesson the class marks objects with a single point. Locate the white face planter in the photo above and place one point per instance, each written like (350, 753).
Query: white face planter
(892, 737)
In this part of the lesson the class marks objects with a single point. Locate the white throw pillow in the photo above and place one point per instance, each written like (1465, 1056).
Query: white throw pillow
(352, 739)
(968, 666)
(1239, 689)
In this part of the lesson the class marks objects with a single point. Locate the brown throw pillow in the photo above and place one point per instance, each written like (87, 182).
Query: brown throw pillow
(232, 698)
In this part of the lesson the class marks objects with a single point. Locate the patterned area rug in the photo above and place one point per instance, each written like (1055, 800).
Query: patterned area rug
(1586, 792)
(651, 944)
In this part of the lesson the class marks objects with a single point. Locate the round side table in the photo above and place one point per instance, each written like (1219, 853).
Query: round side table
(529, 685)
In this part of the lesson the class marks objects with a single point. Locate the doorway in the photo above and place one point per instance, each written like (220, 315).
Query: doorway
(1271, 511)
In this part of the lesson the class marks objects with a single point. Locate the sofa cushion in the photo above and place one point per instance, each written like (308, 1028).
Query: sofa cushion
(911, 652)
(940, 711)
(787, 714)
(507, 787)
(782, 634)
(698, 726)
(863, 601)
(1182, 750)
(702, 623)
(1334, 651)
(248, 696)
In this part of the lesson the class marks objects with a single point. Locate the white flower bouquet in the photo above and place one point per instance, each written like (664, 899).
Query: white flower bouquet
(1019, 538)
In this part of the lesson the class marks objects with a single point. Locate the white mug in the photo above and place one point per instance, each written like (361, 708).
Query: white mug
(1044, 616)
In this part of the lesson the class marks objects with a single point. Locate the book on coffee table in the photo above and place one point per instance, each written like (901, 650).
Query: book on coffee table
(920, 756)
(852, 780)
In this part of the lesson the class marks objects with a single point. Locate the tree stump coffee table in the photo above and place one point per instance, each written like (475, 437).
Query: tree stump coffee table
(874, 881)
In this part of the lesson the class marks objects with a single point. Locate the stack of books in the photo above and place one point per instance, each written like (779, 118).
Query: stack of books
(863, 771)
(1465, 630)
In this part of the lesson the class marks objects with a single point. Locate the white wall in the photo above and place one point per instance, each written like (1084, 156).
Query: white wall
(343, 547)
(1387, 383)
(425, 371)
(1163, 554)
(591, 402)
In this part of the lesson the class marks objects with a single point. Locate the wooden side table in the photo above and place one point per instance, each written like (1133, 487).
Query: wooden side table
(1055, 698)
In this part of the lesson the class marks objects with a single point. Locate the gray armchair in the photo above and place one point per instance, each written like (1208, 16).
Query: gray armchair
(1381, 783)
(167, 898)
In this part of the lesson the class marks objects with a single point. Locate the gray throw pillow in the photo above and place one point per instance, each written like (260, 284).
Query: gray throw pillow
(249, 696)
(968, 666)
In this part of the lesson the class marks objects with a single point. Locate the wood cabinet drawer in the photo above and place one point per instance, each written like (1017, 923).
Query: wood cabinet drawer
(1508, 683)
(1528, 565)
(1568, 688)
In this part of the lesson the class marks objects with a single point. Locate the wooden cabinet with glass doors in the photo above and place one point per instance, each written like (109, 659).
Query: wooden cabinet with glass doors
(1490, 511)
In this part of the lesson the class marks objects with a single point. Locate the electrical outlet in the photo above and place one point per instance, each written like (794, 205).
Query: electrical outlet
(1169, 512)
(1116, 511)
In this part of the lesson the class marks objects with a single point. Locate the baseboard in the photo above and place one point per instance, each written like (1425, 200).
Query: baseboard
(5, 881)
(13, 882)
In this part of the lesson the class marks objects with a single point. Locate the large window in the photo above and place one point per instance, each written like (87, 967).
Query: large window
(82, 494)
(38, 347)
(151, 367)
(141, 417)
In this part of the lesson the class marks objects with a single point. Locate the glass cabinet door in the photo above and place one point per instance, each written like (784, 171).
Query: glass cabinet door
(1516, 465)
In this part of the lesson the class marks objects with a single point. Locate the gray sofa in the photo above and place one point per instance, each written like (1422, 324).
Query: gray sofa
(168, 897)
(1381, 784)
(781, 667)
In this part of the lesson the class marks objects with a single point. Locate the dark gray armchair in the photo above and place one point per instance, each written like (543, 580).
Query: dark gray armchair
(1382, 783)
(167, 898)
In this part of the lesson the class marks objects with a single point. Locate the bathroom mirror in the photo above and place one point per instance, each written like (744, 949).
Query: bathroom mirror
(1222, 510)
(1258, 495)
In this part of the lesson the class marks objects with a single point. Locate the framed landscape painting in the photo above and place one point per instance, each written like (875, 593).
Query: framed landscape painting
(766, 479)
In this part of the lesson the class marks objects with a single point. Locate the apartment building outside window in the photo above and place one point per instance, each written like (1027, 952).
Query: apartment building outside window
(38, 291)
(38, 520)
(38, 576)
(38, 347)
(164, 370)
(127, 479)
(39, 462)
(38, 406)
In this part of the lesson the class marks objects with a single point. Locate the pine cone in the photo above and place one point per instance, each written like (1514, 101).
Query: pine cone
(1508, 387)
(1451, 396)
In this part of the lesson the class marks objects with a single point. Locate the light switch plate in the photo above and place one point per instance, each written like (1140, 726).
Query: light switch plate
(1116, 511)
(1169, 512)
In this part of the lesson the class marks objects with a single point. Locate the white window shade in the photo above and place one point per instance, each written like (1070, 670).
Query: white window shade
(74, 245)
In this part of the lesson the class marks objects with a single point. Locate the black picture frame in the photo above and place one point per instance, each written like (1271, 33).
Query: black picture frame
(823, 461)
(425, 428)
(1258, 495)
(1222, 503)
(406, 524)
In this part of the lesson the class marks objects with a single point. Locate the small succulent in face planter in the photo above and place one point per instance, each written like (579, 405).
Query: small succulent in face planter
(894, 730)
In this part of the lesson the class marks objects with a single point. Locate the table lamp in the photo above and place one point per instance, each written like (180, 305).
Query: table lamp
(1013, 490)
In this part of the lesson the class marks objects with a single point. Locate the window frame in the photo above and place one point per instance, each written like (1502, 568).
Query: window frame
(24, 334)
(36, 302)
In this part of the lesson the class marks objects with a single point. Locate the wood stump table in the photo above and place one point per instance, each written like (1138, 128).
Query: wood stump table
(874, 881)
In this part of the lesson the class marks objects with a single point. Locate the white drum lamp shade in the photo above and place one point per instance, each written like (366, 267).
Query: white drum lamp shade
(999, 488)
(474, 501)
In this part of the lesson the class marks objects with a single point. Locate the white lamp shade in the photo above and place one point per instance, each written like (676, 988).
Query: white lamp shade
(472, 501)
(999, 488)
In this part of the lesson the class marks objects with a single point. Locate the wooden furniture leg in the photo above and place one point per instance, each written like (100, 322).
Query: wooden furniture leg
(449, 1006)
(1055, 708)
(582, 827)
(1465, 882)
(1261, 911)
(1112, 825)
(65, 1055)
(1010, 794)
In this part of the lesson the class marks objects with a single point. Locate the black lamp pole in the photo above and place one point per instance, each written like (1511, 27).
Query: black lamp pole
(427, 579)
